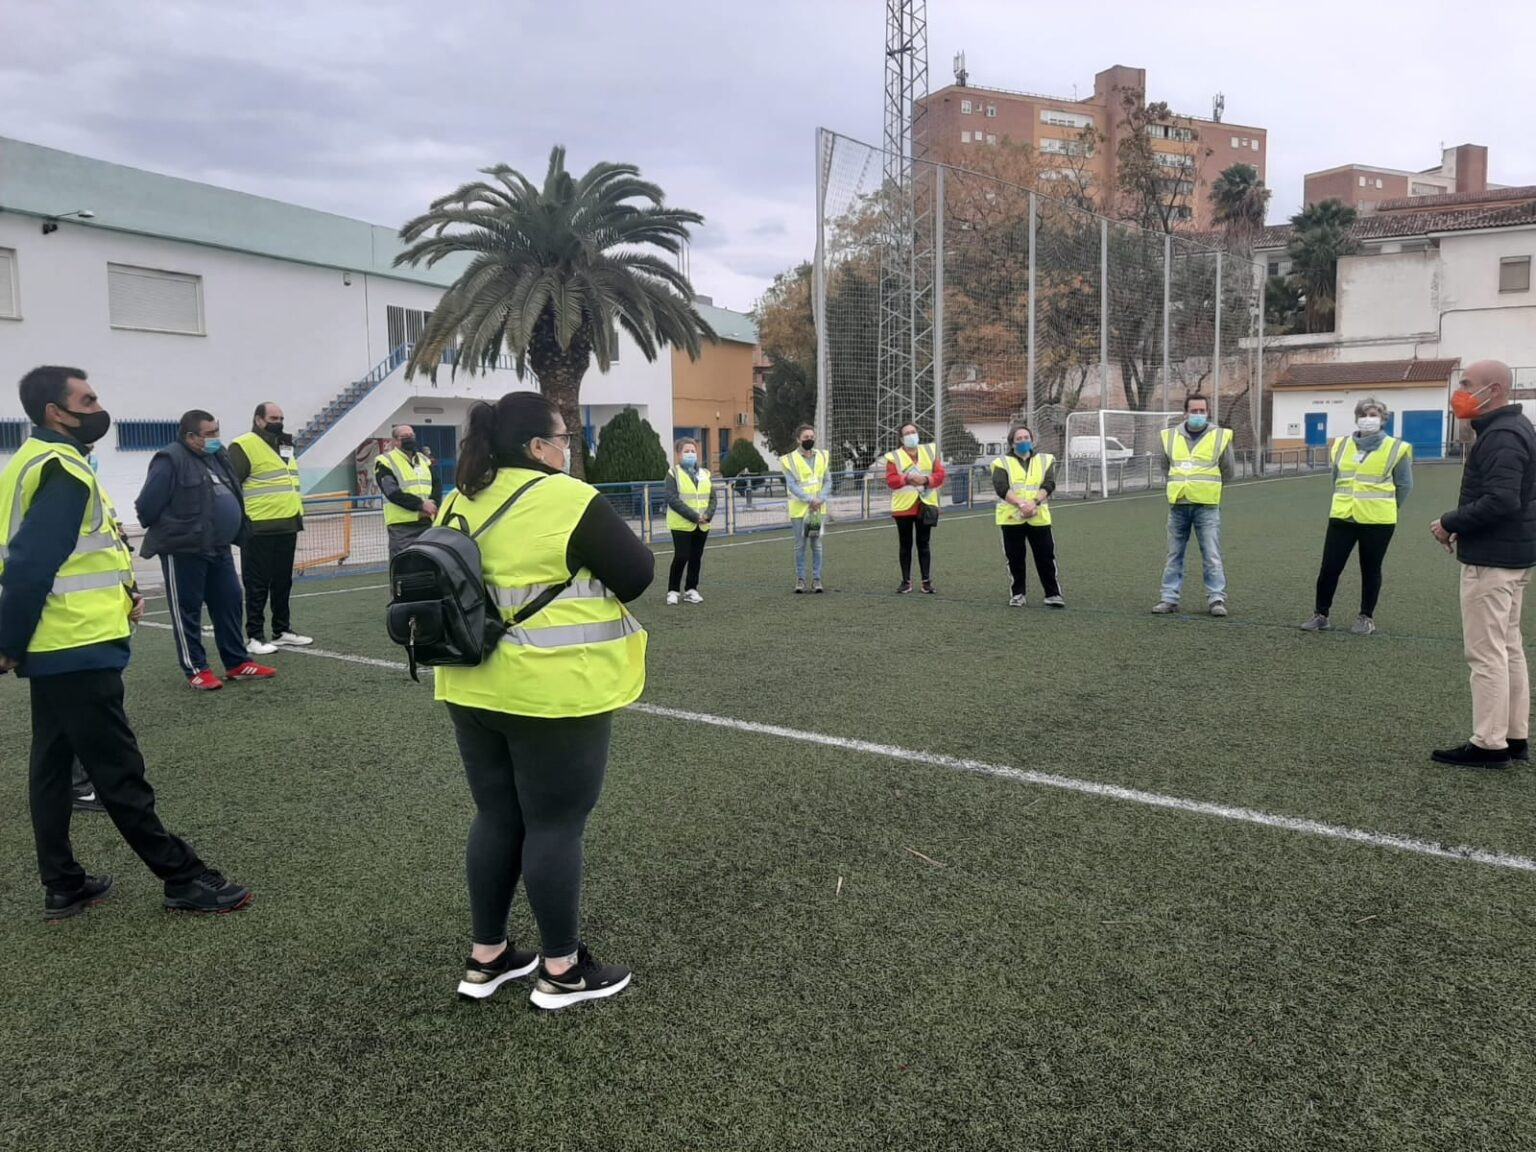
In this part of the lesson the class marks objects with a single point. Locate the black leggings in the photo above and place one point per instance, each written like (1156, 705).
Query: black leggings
(534, 781)
(1342, 537)
(1038, 538)
(687, 552)
(906, 528)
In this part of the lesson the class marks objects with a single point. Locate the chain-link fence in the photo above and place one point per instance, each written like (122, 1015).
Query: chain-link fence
(1036, 308)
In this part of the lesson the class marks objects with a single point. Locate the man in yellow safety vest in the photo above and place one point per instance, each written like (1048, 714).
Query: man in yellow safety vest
(411, 488)
(67, 606)
(808, 482)
(267, 468)
(1198, 458)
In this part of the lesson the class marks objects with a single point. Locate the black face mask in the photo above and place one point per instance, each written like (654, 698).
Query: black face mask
(92, 427)
(275, 430)
(808, 444)
(408, 446)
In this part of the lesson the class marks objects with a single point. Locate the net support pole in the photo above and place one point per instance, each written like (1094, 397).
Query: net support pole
(819, 289)
(1029, 372)
(1167, 314)
(1258, 376)
(1216, 351)
(1103, 456)
(938, 309)
(1103, 312)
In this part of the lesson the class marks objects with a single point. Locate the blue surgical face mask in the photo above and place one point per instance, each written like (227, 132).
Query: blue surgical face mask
(1196, 421)
(93, 462)
(212, 445)
(1023, 447)
(690, 459)
(909, 440)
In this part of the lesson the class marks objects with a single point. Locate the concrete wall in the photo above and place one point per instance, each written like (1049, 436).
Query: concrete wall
(1292, 405)
(1388, 295)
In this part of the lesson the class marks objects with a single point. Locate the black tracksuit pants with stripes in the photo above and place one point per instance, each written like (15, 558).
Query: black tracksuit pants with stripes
(1018, 541)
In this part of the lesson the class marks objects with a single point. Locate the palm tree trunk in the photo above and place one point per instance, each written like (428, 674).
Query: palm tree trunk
(560, 374)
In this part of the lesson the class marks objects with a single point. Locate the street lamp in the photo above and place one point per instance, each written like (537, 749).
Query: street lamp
(51, 224)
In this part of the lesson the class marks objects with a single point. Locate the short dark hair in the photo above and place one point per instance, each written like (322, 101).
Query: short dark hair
(192, 422)
(804, 428)
(912, 424)
(1016, 429)
(44, 386)
(1193, 396)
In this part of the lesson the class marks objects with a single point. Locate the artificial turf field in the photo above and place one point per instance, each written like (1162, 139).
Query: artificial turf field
(835, 948)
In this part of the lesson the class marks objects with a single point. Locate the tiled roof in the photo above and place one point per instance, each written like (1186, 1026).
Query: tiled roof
(1368, 372)
(735, 327)
(986, 403)
(1457, 199)
(1400, 224)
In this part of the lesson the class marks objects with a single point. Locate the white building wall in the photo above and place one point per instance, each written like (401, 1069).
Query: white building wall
(1477, 321)
(1387, 295)
(1292, 405)
(275, 330)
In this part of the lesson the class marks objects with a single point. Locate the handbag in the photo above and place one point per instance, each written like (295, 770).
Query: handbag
(927, 514)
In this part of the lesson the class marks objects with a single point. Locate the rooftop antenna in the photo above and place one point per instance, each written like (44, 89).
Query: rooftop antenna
(1218, 106)
(961, 75)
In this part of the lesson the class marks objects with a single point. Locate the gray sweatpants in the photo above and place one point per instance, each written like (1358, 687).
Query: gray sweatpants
(534, 782)
(402, 534)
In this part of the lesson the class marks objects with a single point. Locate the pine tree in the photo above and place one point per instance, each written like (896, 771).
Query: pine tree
(743, 457)
(628, 449)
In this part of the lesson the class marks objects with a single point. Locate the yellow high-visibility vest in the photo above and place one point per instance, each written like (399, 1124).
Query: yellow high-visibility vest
(695, 494)
(1194, 471)
(1024, 480)
(414, 480)
(1364, 490)
(810, 474)
(904, 498)
(583, 653)
(272, 488)
(89, 602)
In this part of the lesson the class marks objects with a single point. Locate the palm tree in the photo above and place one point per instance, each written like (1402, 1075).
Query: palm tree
(1322, 237)
(1241, 202)
(553, 274)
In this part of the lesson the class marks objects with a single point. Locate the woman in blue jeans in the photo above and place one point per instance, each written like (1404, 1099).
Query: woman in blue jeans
(1198, 458)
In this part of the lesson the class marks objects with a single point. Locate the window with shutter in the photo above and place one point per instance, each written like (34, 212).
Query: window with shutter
(1515, 274)
(10, 294)
(151, 301)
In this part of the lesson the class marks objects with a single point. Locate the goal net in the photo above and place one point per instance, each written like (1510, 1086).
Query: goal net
(1106, 451)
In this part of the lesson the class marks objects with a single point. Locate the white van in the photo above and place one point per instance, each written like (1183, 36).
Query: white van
(1094, 447)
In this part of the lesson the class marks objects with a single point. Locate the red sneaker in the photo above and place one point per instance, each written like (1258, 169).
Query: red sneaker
(251, 670)
(205, 681)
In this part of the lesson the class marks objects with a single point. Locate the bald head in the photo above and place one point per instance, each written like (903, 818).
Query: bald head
(1489, 383)
(404, 432)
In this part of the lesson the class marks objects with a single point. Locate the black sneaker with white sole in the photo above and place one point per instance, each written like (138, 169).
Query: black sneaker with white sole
(481, 981)
(1519, 750)
(210, 892)
(584, 980)
(61, 905)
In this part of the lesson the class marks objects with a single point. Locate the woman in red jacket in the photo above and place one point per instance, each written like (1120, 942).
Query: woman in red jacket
(915, 475)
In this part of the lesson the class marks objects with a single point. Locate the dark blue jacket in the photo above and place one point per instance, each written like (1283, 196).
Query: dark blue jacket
(1495, 520)
(42, 544)
(176, 504)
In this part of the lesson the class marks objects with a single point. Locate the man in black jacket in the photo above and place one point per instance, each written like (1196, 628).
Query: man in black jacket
(1493, 532)
(194, 512)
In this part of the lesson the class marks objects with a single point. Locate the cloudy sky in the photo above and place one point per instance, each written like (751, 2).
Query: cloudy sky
(371, 108)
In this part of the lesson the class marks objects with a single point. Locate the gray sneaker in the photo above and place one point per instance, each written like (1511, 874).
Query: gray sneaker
(1219, 608)
(1055, 602)
(799, 587)
(1318, 623)
(1164, 609)
(1017, 601)
(1364, 626)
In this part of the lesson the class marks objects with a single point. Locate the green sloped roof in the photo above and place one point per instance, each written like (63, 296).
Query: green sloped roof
(737, 327)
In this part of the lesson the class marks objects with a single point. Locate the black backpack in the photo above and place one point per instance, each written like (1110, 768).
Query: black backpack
(442, 613)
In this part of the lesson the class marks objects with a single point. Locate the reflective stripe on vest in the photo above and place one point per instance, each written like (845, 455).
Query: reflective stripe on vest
(694, 494)
(582, 653)
(414, 480)
(1194, 473)
(810, 474)
(1364, 490)
(905, 498)
(88, 602)
(272, 489)
(1024, 480)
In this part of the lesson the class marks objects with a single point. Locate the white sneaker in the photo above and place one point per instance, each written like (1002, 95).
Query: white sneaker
(260, 648)
(292, 640)
(692, 596)
(672, 598)
(1017, 601)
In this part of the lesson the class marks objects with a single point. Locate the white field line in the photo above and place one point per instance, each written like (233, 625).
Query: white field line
(880, 527)
(1302, 825)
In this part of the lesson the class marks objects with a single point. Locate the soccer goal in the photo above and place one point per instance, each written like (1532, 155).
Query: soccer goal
(1109, 446)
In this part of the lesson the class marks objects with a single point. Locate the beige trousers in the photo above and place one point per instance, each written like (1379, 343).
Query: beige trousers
(1490, 627)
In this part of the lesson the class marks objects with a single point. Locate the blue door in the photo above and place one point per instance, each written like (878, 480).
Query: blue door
(1317, 429)
(442, 440)
(1426, 432)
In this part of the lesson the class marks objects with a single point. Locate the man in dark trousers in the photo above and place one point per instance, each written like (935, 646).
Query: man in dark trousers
(194, 514)
(267, 469)
(67, 605)
(1493, 533)
(411, 488)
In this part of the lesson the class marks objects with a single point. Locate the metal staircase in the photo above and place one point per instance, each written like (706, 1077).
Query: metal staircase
(349, 398)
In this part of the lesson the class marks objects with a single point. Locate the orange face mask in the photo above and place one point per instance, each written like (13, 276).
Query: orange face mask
(1465, 405)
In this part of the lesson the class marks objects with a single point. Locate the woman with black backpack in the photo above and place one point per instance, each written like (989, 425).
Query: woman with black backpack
(533, 719)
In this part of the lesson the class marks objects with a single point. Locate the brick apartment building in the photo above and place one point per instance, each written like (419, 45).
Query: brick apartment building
(963, 117)
(1463, 169)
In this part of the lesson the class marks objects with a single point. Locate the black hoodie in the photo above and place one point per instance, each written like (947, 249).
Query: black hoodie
(1495, 521)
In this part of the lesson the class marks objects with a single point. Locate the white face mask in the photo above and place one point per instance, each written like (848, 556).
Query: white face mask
(910, 440)
(1368, 425)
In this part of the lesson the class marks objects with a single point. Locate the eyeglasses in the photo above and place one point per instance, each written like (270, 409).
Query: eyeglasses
(556, 436)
